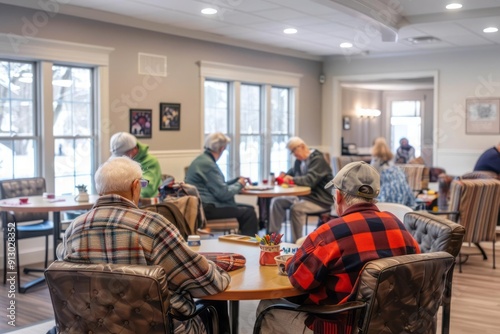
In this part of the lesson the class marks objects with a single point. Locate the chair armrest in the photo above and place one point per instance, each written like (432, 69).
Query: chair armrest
(331, 309)
(444, 212)
(214, 317)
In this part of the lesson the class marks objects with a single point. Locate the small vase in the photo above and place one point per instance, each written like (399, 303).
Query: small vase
(267, 254)
(82, 196)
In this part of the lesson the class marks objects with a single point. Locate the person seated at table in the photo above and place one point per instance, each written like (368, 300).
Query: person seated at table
(312, 170)
(489, 160)
(394, 187)
(329, 261)
(115, 230)
(216, 194)
(405, 152)
(123, 143)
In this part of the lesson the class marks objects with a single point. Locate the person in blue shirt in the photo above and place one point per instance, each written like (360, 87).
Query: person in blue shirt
(489, 160)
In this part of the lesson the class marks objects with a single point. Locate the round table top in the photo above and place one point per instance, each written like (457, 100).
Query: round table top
(252, 281)
(277, 191)
(42, 204)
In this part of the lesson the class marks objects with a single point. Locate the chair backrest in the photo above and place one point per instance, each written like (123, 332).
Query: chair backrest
(416, 175)
(172, 213)
(403, 293)
(115, 298)
(435, 233)
(33, 186)
(399, 210)
(478, 204)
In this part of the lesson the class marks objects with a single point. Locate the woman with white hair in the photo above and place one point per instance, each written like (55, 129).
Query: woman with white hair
(216, 194)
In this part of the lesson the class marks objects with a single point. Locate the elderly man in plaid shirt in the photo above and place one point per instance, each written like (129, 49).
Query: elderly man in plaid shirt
(327, 264)
(117, 231)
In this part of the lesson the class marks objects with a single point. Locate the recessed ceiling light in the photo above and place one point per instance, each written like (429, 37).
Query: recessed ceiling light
(454, 6)
(209, 11)
(290, 31)
(423, 40)
(490, 29)
(346, 45)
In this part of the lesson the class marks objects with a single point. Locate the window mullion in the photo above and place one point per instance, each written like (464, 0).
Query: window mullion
(234, 128)
(266, 134)
(46, 117)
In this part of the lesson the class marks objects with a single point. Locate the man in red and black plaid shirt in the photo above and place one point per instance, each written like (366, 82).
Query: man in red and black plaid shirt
(327, 264)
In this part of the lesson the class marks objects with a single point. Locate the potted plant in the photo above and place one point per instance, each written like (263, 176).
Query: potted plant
(82, 196)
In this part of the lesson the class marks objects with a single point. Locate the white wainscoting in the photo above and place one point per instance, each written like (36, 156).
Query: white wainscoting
(174, 162)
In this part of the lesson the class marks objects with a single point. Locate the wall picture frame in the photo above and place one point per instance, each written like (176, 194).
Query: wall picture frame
(170, 116)
(482, 116)
(141, 122)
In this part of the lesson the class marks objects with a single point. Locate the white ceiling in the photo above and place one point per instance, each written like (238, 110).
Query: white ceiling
(375, 27)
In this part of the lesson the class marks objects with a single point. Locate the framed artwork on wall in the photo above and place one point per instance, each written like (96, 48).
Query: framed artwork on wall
(170, 116)
(482, 116)
(141, 122)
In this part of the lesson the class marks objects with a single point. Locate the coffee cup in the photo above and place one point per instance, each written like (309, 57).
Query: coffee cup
(281, 262)
(23, 200)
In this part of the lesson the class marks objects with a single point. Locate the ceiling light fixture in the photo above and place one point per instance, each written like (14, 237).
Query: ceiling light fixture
(209, 11)
(290, 31)
(346, 45)
(454, 6)
(423, 40)
(490, 29)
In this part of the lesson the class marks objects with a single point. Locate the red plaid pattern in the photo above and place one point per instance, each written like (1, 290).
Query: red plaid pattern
(329, 261)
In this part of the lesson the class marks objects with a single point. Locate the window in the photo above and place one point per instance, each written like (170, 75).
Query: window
(18, 133)
(50, 117)
(406, 122)
(256, 109)
(73, 127)
(217, 111)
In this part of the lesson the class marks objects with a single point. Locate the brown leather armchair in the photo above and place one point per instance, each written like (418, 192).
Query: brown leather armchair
(437, 234)
(113, 298)
(400, 294)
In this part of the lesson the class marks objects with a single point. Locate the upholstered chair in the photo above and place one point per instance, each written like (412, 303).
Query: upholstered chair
(435, 234)
(27, 224)
(400, 294)
(113, 298)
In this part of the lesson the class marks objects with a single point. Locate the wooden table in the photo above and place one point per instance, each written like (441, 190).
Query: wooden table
(265, 196)
(277, 191)
(251, 282)
(41, 204)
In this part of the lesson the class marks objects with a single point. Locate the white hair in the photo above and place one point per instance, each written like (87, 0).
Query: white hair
(116, 175)
(216, 141)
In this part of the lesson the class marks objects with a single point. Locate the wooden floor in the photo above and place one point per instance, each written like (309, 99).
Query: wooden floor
(475, 301)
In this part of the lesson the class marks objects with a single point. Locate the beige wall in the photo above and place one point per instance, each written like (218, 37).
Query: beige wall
(182, 85)
(363, 130)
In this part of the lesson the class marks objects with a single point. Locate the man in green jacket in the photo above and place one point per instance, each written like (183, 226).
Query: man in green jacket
(123, 143)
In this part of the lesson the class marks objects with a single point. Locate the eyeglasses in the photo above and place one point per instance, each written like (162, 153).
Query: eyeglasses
(144, 183)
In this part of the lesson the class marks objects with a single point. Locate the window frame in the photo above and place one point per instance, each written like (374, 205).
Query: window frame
(266, 79)
(45, 53)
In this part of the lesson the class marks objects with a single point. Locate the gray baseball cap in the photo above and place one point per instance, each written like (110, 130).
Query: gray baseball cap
(355, 175)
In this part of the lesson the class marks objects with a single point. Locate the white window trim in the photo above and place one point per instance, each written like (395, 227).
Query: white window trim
(17, 47)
